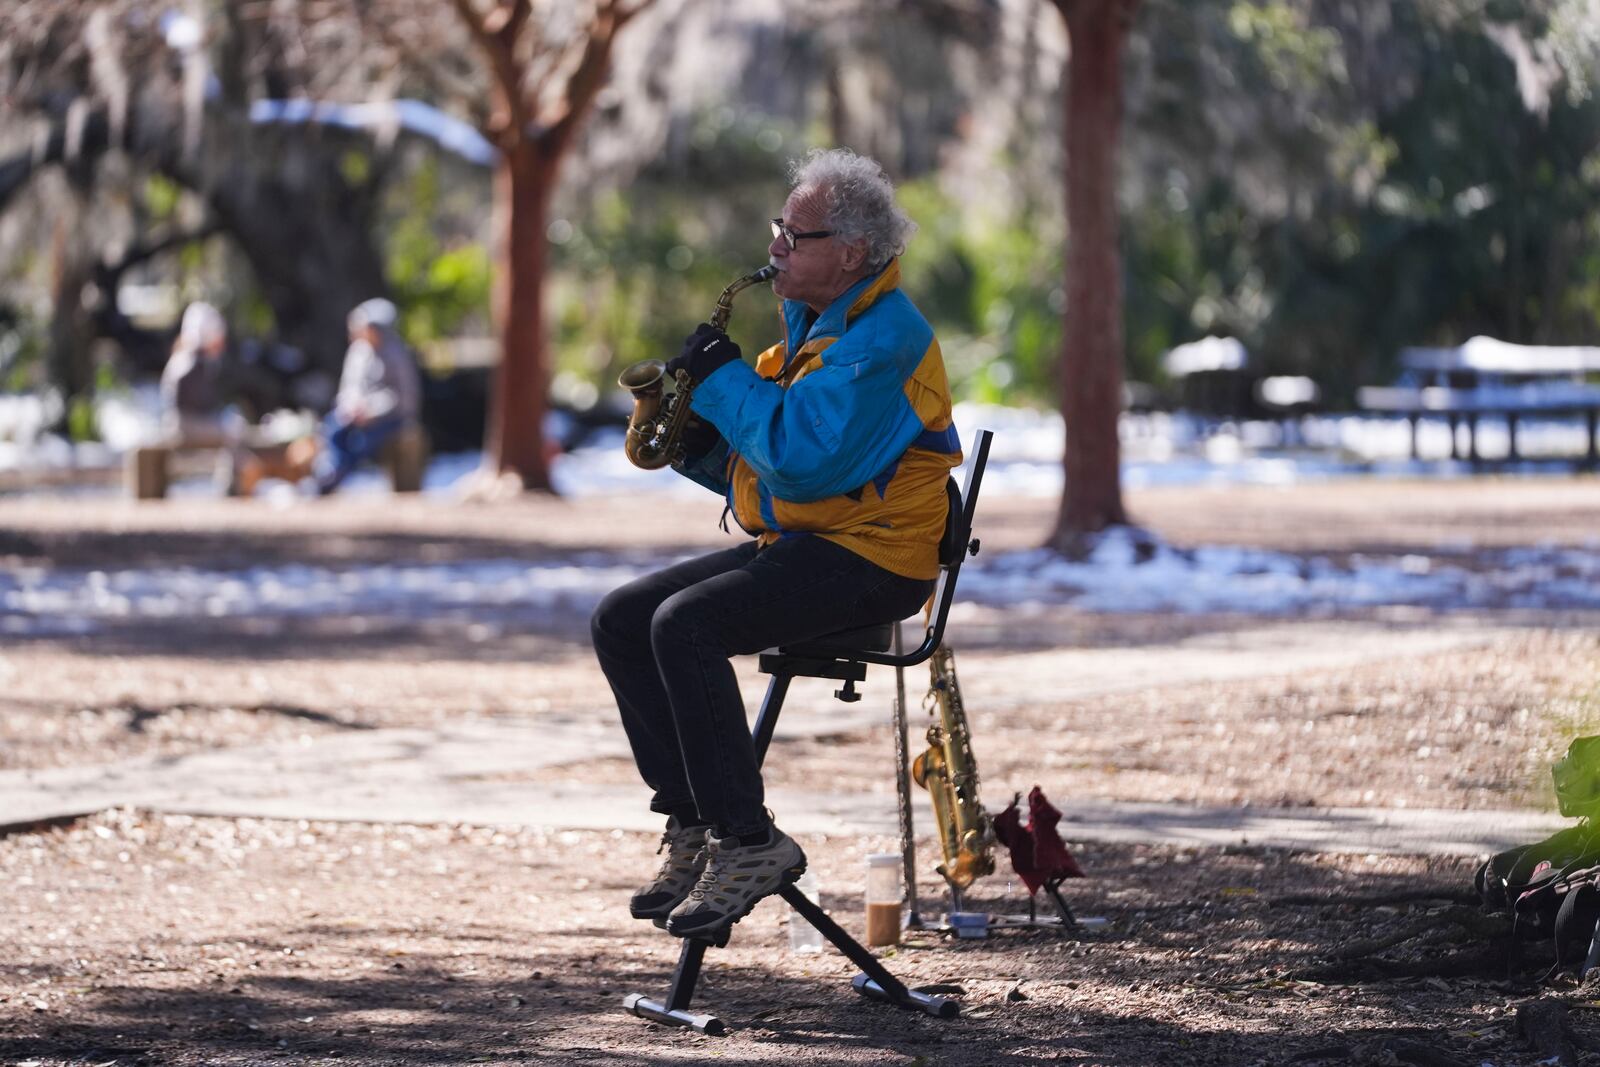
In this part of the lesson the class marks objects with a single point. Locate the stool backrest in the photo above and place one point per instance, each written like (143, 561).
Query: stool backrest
(954, 549)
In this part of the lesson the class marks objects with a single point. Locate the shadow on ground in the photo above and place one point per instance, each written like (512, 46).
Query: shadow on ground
(1199, 965)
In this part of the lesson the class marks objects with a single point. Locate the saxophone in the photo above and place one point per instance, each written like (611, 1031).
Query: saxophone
(655, 429)
(949, 772)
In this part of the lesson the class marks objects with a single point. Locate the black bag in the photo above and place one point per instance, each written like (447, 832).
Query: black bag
(1551, 888)
(1577, 918)
(1548, 888)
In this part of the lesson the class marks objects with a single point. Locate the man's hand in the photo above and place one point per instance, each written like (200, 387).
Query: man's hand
(699, 437)
(706, 349)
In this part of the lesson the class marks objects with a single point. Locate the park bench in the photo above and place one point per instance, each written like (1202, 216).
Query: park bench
(147, 470)
(1490, 378)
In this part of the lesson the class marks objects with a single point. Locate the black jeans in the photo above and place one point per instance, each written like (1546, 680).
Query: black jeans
(664, 641)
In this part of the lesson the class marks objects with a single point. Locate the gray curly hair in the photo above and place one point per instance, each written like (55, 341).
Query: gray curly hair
(860, 198)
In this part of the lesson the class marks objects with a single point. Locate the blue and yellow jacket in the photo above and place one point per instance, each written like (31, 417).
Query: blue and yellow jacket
(843, 429)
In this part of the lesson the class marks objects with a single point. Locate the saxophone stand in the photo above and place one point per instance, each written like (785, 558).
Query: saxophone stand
(843, 657)
(1063, 919)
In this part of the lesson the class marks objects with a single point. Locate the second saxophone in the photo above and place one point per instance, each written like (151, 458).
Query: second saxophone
(949, 772)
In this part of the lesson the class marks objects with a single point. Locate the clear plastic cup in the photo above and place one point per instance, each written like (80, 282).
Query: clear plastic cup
(803, 937)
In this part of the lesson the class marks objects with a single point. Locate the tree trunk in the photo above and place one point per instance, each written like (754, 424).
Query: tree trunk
(534, 132)
(1092, 349)
(71, 369)
(524, 182)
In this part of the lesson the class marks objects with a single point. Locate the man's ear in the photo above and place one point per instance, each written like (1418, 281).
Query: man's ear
(855, 256)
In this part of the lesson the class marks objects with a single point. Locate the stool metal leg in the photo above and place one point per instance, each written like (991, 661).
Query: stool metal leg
(767, 717)
(675, 1012)
(902, 789)
(875, 982)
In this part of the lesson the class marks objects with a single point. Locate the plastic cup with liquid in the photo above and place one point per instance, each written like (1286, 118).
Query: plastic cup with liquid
(883, 898)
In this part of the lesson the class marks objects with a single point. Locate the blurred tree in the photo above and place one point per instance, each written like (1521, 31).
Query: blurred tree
(1330, 181)
(118, 93)
(672, 186)
(543, 77)
(1092, 348)
(1241, 118)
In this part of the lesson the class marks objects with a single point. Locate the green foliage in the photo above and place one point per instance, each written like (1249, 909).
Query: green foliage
(1328, 220)
(634, 271)
(252, 315)
(161, 196)
(81, 422)
(1574, 37)
(23, 340)
(1293, 53)
(437, 288)
(992, 289)
(356, 168)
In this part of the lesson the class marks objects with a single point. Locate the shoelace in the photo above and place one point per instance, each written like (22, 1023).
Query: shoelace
(667, 839)
(708, 877)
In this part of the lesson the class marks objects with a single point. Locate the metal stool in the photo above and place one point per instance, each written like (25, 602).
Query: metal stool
(844, 657)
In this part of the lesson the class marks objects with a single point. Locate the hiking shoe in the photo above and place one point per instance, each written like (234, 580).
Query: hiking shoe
(686, 858)
(735, 877)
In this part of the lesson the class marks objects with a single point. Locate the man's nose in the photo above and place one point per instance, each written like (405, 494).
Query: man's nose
(778, 246)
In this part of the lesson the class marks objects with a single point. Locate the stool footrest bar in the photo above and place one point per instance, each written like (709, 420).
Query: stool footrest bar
(655, 1011)
(938, 1007)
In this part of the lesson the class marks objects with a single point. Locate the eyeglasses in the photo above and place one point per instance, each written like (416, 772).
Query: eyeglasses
(781, 229)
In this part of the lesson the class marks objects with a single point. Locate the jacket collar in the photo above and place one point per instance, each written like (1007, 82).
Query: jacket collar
(800, 327)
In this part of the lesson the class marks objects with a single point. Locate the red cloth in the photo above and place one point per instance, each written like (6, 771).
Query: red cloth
(1037, 851)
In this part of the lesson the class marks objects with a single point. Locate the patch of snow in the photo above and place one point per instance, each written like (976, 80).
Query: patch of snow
(39, 601)
(1127, 572)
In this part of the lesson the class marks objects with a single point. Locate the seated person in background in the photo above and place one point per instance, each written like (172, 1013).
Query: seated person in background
(832, 452)
(193, 414)
(380, 392)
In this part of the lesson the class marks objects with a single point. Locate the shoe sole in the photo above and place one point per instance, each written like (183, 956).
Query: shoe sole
(719, 932)
(658, 915)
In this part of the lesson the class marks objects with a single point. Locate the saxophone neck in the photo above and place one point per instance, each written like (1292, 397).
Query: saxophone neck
(724, 308)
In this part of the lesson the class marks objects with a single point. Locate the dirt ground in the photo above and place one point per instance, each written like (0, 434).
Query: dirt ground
(136, 937)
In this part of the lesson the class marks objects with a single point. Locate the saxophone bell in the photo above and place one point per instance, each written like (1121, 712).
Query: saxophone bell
(644, 444)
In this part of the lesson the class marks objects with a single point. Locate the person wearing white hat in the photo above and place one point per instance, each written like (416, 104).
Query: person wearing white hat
(380, 391)
(191, 393)
(193, 411)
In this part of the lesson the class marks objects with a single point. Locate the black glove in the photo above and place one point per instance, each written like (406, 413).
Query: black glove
(699, 437)
(706, 349)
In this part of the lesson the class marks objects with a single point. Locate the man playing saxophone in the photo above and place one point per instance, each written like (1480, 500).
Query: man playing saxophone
(832, 453)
